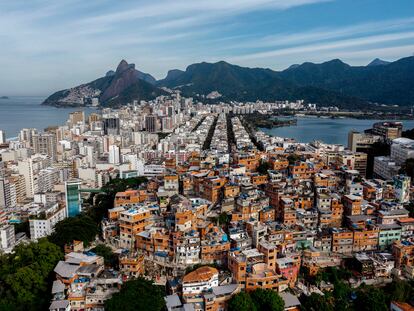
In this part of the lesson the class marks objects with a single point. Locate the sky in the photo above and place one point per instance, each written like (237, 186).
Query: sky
(49, 45)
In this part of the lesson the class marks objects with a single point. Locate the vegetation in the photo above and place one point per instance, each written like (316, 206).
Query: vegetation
(408, 134)
(267, 300)
(410, 208)
(408, 168)
(258, 120)
(207, 141)
(293, 158)
(263, 167)
(81, 228)
(365, 297)
(22, 227)
(224, 219)
(24, 276)
(370, 298)
(316, 302)
(139, 294)
(198, 124)
(250, 130)
(231, 139)
(241, 302)
(105, 200)
(106, 252)
(250, 84)
(259, 300)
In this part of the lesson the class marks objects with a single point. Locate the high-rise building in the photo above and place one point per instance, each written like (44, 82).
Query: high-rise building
(94, 117)
(2, 137)
(5, 196)
(111, 126)
(73, 197)
(114, 154)
(388, 130)
(76, 117)
(402, 149)
(151, 123)
(26, 169)
(45, 144)
(7, 237)
(26, 136)
(361, 142)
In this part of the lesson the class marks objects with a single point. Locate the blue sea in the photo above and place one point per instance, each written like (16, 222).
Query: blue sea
(19, 112)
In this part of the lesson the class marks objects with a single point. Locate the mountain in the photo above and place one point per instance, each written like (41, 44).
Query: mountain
(330, 83)
(247, 84)
(115, 88)
(390, 84)
(378, 62)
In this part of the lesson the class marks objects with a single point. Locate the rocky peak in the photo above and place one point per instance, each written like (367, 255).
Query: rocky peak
(123, 65)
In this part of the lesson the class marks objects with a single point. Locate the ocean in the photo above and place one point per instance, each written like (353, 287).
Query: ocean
(19, 112)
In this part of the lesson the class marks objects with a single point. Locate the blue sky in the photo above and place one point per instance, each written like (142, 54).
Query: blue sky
(48, 45)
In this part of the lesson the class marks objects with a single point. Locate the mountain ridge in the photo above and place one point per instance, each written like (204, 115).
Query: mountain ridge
(328, 83)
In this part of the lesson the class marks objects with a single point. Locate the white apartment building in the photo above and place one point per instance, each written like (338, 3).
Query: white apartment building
(44, 218)
(2, 137)
(385, 168)
(402, 149)
(114, 154)
(7, 238)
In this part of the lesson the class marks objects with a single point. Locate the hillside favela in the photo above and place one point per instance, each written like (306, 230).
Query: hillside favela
(272, 171)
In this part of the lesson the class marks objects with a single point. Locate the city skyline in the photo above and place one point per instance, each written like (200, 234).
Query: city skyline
(50, 46)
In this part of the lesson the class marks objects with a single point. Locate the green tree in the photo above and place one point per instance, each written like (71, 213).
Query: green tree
(408, 168)
(316, 302)
(267, 300)
(110, 258)
(105, 199)
(370, 298)
(24, 276)
(223, 219)
(410, 208)
(81, 228)
(293, 158)
(263, 167)
(139, 294)
(241, 302)
(399, 290)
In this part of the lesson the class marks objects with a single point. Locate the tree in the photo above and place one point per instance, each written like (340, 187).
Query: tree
(105, 199)
(24, 276)
(370, 298)
(81, 228)
(106, 252)
(408, 168)
(267, 300)
(315, 302)
(139, 294)
(241, 302)
(263, 167)
(223, 219)
(410, 208)
(293, 158)
(399, 290)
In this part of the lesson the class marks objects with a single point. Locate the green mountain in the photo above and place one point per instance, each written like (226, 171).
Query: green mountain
(391, 83)
(329, 83)
(116, 88)
(248, 84)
